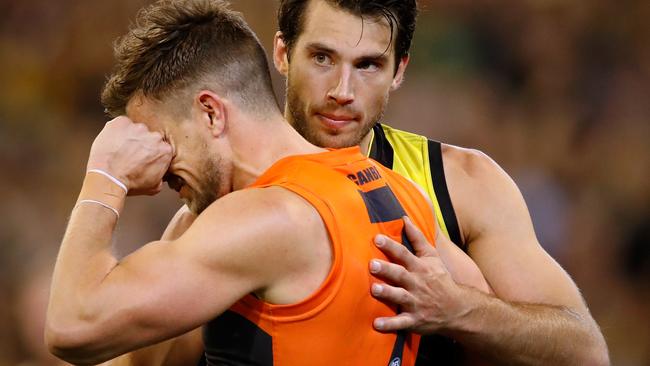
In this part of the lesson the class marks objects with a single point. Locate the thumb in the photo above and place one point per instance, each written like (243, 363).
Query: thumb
(419, 242)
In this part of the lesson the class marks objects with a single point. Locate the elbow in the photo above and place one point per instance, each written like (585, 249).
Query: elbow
(599, 355)
(602, 360)
(65, 343)
(595, 357)
(62, 343)
(71, 344)
(76, 333)
(596, 353)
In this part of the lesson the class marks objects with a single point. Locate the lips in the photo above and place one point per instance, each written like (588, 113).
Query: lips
(335, 121)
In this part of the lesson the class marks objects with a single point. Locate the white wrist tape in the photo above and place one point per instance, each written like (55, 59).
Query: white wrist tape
(101, 204)
(112, 178)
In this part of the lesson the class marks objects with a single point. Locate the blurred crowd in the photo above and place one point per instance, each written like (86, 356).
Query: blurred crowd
(557, 92)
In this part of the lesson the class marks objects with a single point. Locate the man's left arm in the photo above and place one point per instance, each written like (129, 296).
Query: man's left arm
(537, 316)
(101, 307)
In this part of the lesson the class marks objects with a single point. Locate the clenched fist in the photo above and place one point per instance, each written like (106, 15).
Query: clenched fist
(131, 153)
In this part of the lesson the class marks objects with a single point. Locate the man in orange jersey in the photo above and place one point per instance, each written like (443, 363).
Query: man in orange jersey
(340, 72)
(277, 266)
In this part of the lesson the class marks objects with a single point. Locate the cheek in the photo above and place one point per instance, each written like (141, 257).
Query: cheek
(308, 86)
(374, 97)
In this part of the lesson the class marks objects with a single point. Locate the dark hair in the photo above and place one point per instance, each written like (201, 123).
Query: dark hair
(182, 45)
(400, 14)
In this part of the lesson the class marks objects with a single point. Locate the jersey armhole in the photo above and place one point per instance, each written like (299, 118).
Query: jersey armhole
(324, 294)
(439, 183)
(380, 149)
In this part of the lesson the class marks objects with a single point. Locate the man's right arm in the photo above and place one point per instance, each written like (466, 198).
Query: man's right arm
(537, 315)
(180, 351)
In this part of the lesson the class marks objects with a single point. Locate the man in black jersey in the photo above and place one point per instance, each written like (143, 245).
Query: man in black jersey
(338, 81)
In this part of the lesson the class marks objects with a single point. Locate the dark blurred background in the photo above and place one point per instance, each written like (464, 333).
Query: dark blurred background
(557, 92)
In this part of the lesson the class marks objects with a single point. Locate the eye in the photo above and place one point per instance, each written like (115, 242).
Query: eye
(322, 59)
(368, 66)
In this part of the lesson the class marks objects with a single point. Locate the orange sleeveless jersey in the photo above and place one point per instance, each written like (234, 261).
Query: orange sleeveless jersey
(357, 199)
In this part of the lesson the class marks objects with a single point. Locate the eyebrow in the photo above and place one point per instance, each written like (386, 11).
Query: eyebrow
(377, 57)
(317, 46)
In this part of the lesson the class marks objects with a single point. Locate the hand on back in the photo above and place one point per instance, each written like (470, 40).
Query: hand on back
(425, 284)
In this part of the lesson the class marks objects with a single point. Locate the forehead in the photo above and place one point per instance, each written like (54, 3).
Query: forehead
(343, 31)
(141, 109)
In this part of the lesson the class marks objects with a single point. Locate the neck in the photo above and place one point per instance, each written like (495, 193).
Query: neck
(364, 145)
(258, 144)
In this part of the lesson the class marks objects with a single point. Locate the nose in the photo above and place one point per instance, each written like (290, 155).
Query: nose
(342, 93)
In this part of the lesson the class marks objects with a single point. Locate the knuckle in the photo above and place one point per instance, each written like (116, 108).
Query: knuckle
(157, 135)
(419, 318)
(404, 297)
(401, 275)
(399, 250)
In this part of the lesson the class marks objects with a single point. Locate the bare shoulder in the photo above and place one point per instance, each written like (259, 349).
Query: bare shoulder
(270, 225)
(272, 212)
(472, 167)
(485, 197)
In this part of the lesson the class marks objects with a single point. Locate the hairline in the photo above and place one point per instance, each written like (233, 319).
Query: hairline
(392, 25)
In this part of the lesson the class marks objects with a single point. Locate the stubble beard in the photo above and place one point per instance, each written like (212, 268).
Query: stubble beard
(300, 122)
(209, 189)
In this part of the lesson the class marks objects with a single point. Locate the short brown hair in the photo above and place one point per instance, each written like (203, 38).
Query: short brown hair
(400, 14)
(185, 45)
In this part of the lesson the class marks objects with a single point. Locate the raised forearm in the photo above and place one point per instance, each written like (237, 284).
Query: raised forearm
(90, 317)
(528, 334)
(83, 262)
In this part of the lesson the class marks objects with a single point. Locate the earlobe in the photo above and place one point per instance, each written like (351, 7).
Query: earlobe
(399, 75)
(280, 55)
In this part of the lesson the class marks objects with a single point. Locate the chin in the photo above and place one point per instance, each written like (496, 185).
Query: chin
(198, 205)
(338, 141)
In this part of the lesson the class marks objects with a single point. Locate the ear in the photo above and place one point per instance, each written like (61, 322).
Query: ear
(399, 75)
(280, 54)
(212, 111)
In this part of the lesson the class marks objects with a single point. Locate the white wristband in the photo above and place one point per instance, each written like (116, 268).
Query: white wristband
(101, 204)
(112, 178)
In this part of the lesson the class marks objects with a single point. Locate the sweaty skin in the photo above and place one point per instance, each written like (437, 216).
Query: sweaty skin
(102, 307)
(536, 307)
(337, 89)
